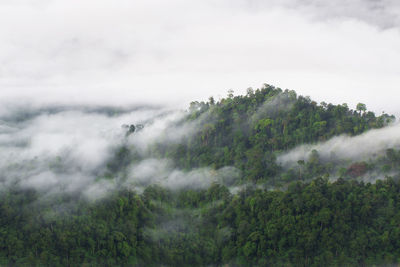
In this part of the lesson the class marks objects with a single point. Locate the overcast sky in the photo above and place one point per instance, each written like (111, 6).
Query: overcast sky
(120, 52)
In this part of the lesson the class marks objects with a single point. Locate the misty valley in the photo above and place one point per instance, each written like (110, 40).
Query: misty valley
(269, 178)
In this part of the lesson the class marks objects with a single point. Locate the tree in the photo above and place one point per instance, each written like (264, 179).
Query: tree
(361, 107)
(301, 164)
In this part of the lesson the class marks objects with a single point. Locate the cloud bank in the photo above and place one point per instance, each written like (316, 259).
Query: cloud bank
(123, 52)
(363, 147)
(67, 150)
(75, 150)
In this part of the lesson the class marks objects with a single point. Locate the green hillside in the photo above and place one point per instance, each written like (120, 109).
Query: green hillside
(313, 211)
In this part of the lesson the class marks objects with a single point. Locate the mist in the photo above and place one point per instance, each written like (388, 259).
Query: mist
(61, 149)
(154, 52)
(72, 73)
(97, 143)
(161, 172)
(69, 149)
(273, 106)
(369, 145)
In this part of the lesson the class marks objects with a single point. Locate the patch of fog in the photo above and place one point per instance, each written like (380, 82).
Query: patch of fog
(64, 149)
(156, 171)
(363, 147)
(274, 105)
(374, 175)
(162, 128)
(67, 149)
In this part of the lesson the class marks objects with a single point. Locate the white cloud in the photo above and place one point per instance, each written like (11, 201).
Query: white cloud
(362, 147)
(121, 52)
(65, 149)
(70, 149)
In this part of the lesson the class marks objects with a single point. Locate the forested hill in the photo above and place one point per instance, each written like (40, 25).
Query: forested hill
(249, 131)
(265, 179)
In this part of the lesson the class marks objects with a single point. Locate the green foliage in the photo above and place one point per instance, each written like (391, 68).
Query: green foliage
(309, 221)
(247, 131)
(59, 231)
(313, 224)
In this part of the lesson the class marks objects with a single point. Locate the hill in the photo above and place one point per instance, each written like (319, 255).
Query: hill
(265, 179)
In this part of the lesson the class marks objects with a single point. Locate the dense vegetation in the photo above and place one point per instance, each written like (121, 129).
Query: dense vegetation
(321, 223)
(249, 131)
(272, 215)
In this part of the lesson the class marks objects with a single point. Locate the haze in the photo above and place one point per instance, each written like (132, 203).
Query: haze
(173, 52)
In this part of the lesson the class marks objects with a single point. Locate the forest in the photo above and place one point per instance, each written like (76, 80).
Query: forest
(277, 192)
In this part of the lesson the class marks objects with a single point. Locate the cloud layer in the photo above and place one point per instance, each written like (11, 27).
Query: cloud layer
(75, 150)
(123, 52)
(67, 149)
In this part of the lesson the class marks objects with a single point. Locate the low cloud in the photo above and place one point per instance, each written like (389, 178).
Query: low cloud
(379, 13)
(162, 172)
(69, 149)
(363, 147)
(274, 105)
(101, 52)
(64, 149)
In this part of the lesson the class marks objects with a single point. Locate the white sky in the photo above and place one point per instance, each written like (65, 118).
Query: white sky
(155, 51)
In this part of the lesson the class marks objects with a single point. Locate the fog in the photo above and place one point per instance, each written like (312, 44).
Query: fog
(161, 172)
(273, 106)
(366, 146)
(75, 149)
(171, 53)
(70, 149)
(72, 72)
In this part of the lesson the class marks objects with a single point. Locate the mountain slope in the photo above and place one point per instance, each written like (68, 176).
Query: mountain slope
(257, 180)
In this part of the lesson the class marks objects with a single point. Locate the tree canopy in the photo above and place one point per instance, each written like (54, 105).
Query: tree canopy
(312, 213)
